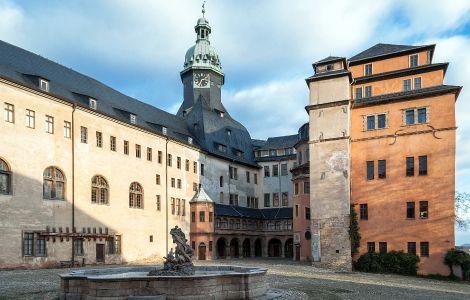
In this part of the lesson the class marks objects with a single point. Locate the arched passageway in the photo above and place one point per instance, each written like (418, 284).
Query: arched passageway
(246, 248)
(258, 248)
(234, 253)
(221, 245)
(274, 248)
(289, 248)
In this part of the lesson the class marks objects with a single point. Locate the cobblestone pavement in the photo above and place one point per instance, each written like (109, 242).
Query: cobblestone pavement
(296, 280)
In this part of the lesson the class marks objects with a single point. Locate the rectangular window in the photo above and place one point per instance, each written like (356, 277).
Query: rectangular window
(211, 216)
(284, 199)
(221, 197)
(275, 199)
(410, 166)
(283, 169)
(157, 179)
(202, 169)
(370, 122)
(423, 209)
(160, 156)
(194, 187)
(381, 121)
(424, 247)
(149, 154)
(247, 176)
(41, 246)
(126, 147)
(193, 216)
(255, 178)
(266, 171)
(367, 69)
(99, 139)
(267, 200)
(137, 150)
(210, 245)
(28, 242)
(9, 113)
(67, 129)
(275, 170)
(172, 202)
(410, 210)
(178, 183)
(364, 211)
(186, 165)
(178, 162)
(159, 203)
(358, 93)
(112, 143)
(423, 165)
(169, 163)
(44, 85)
(183, 207)
(173, 182)
(368, 91)
(413, 60)
(383, 247)
(296, 188)
(178, 206)
(83, 135)
(407, 85)
(382, 169)
(49, 124)
(307, 213)
(370, 170)
(195, 167)
(296, 210)
(371, 247)
(410, 117)
(412, 248)
(306, 187)
(422, 115)
(132, 118)
(417, 83)
(78, 247)
(30, 118)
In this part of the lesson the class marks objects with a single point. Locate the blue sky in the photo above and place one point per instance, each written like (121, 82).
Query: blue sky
(266, 48)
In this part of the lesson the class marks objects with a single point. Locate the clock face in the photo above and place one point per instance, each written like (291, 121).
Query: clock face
(201, 80)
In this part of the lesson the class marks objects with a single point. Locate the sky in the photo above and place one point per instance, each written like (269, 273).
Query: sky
(266, 48)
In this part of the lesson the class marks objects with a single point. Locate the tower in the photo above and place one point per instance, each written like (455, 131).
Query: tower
(329, 117)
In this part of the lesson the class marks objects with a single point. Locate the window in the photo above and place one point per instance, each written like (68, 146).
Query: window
(126, 147)
(410, 210)
(172, 205)
(381, 121)
(383, 247)
(221, 197)
(92, 103)
(40, 246)
(50, 124)
(202, 216)
(422, 115)
(412, 248)
(329, 67)
(221, 148)
(137, 150)
(267, 200)
(186, 165)
(99, 190)
(159, 203)
(233, 200)
(193, 216)
(275, 170)
(370, 170)
(247, 176)
(266, 171)
(307, 213)
(364, 211)
(358, 93)
(423, 209)
(275, 199)
(195, 167)
(5, 178)
(173, 182)
(169, 163)
(112, 143)
(136, 195)
(178, 162)
(132, 118)
(78, 247)
(202, 169)
(183, 207)
(111, 245)
(368, 91)
(413, 60)
(157, 179)
(83, 135)
(54, 184)
(406, 85)
(417, 83)
(160, 156)
(370, 122)
(28, 242)
(164, 130)
(178, 183)
(210, 245)
(367, 69)
(410, 166)
(423, 165)
(382, 169)
(255, 178)
(296, 210)
(283, 169)
(30, 118)
(306, 187)
(9, 113)
(233, 173)
(178, 206)
(67, 129)
(371, 247)
(284, 199)
(296, 188)
(424, 247)
(149, 154)
(194, 186)
(44, 85)
(99, 139)
(299, 157)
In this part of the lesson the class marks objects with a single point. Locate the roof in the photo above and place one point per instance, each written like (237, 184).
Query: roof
(328, 75)
(25, 68)
(253, 213)
(328, 59)
(407, 95)
(275, 158)
(278, 142)
(201, 196)
(402, 72)
(380, 50)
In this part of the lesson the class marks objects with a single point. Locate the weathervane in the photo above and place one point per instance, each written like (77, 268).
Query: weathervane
(203, 8)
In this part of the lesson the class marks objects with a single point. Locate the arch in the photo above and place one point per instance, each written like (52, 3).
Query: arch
(53, 187)
(136, 195)
(246, 248)
(99, 190)
(258, 248)
(234, 244)
(221, 247)
(201, 251)
(5, 178)
(289, 248)
(274, 248)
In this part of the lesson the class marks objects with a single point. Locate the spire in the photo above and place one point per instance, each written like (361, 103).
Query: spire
(203, 8)
(202, 28)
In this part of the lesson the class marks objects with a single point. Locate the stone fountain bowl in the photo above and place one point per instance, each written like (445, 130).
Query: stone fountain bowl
(133, 283)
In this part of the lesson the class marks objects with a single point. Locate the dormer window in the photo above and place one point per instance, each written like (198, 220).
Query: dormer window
(367, 69)
(184, 113)
(92, 103)
(238, 153)
(229, 132)
(221, 148)
(190, 140)
(220, 113)
(132, 118)
(44, 85)
(329, 67)
(164, 130)
(413, 60)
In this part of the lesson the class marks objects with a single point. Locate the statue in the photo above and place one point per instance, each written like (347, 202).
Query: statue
(178, 262)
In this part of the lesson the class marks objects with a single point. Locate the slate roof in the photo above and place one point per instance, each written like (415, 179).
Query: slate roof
(278, 142)
(253, 213)
(380, 49)
(24, 67)
(328, 59)
(334, 73)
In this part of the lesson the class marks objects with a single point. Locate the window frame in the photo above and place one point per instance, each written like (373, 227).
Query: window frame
(49, 122)
(411, 60)
(382, 169)
(136, 190)
(363, 211)
(83, 135)
(67, 130)
(410, 210)
(7, 173)
(368, 69)
(99, 190)
(54, 180)
(370, 170)
(30, 121)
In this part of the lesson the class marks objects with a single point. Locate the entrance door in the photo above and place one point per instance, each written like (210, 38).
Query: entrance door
(297, 252)
(201, 252)
(99, 252)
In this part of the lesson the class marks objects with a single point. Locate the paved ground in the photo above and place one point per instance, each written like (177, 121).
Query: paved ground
(298, 281)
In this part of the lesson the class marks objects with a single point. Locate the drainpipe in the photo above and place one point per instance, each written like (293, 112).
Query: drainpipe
(280, 182)
(73, 181)
(166, 194)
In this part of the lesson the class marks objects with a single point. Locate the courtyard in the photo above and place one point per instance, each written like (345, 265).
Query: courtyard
(296, 280)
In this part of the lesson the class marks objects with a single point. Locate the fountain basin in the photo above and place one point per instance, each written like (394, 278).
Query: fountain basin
(132, 283)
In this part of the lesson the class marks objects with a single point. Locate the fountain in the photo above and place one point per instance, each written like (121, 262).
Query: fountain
(178, 278)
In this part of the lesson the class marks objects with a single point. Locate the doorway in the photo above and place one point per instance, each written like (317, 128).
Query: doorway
(201, 251)
(100, 253)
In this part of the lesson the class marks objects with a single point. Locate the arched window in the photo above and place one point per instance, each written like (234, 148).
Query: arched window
(136, 195)
(99, 190)
(5, 178)
(54, 184)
